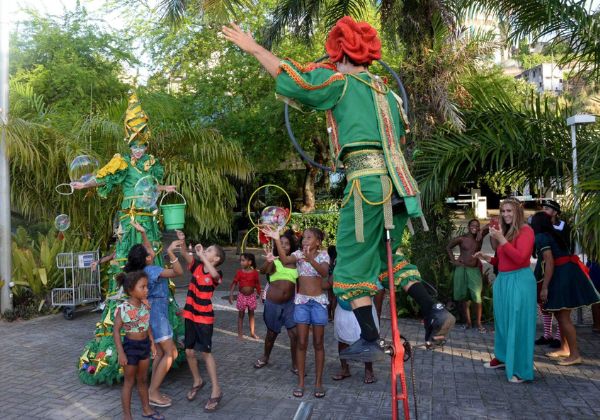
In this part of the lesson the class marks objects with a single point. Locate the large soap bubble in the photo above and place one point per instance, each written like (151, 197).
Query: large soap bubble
(274, 216)
(62, 222)
(146, 193)
(83, 168)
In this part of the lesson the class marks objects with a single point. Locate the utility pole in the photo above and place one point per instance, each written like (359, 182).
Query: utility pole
(573, 122)
(5, 232)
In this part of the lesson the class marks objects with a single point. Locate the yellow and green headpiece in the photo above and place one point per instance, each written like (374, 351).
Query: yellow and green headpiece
(137, 132)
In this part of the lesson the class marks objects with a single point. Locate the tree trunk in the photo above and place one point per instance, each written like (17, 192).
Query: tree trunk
(310, 176)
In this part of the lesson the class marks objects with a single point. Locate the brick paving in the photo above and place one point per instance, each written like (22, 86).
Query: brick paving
(38, 378)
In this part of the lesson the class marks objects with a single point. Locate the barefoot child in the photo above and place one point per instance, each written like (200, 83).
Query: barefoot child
(311, 303)
(134, 352)
(199, 319)
(467, 274)
(247, 280)
(279, 300)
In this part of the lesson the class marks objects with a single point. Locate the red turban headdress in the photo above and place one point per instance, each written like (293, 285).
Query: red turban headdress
(357, 40)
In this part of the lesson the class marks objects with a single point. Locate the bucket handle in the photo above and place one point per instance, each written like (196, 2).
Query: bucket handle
(163, 197)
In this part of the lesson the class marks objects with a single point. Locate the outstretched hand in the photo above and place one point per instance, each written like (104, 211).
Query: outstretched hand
(242, 39)
(270, 257)
(270, 232)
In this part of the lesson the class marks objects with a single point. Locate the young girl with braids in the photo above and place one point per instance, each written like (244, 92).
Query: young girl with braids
(311, 303)
(133, 316)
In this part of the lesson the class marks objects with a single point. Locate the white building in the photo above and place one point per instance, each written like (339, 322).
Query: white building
(547, 77)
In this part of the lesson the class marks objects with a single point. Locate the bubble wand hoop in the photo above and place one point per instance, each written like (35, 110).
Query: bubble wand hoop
(257, 226)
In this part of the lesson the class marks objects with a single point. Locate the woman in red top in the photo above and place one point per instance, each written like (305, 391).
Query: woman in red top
(247, 280)
(514, 294)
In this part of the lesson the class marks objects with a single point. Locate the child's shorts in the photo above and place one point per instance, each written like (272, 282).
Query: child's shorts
(136, 350)
(277, 315)
(198, 336)
(310, 313)
(159, 319)
(244, 302)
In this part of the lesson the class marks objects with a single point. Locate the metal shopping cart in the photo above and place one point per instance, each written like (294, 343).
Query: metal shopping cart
(81, 283)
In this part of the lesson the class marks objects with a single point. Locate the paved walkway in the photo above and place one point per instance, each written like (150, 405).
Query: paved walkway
(38, 378)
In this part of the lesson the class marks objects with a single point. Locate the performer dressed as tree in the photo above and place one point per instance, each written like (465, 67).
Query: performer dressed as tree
(99, 362)
(366, 125)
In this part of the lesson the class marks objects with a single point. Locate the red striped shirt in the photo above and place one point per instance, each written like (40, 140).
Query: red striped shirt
(198, 303)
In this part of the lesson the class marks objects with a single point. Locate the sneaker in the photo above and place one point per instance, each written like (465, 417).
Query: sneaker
(363, 351)
(542, 341)
(439, 323)
(554, 343)
(494, 364)
(516, 380)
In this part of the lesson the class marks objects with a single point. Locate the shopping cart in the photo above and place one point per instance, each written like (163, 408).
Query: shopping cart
(81, 283)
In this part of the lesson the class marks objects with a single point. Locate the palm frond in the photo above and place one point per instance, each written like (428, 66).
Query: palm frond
(298, 17)
(567, 21)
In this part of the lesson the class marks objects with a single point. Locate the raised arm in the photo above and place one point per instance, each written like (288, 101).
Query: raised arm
(145, 240)
(273, 233)
(187, 256)
(177, 269)
(207, 264)
(246, 42)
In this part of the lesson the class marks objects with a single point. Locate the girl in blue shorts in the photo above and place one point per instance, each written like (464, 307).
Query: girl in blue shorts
(312, 264)
(140, 257)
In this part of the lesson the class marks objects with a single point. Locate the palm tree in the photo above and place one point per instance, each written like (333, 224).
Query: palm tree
(196, 159)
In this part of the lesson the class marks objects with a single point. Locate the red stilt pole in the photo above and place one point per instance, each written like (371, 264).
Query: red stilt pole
(397, 347)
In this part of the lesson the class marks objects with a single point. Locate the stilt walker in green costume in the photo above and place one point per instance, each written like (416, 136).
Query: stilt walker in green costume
(366, 126)
(99, 362)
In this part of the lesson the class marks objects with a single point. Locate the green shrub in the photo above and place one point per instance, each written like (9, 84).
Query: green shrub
(326, 221)
(34, 271)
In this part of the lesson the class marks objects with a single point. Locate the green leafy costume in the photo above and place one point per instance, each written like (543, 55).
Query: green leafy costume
(99, 360)
(366, 124)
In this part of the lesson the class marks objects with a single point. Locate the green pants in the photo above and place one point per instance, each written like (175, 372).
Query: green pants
(361, 267)
(467, 284)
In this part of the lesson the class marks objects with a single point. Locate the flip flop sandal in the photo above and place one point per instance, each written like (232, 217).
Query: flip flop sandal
(160, 404)
(212, 401)
(298, 392)
(259, 364)
(482, 330)
(191, 395)
(340, 376)
(319, 392)
(154, 416)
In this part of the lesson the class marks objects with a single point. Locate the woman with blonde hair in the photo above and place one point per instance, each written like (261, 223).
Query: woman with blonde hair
(514, 294)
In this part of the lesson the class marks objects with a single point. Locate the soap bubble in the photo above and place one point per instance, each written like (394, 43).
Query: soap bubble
(146, 193)
(274, 216)
(62, 222)
(83, 169)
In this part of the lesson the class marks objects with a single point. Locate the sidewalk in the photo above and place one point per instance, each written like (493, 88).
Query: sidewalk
(38, 378)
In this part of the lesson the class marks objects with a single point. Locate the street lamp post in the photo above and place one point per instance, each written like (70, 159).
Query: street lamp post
(573, 122)
(5, 251)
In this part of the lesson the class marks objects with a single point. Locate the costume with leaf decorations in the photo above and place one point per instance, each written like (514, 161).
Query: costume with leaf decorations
(99, 360)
